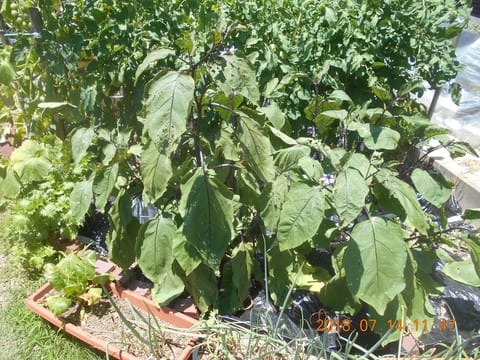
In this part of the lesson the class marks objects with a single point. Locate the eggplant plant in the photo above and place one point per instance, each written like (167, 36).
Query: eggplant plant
(263, 132)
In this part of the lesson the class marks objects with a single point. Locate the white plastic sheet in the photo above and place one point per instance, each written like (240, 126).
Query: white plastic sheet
(464, 119)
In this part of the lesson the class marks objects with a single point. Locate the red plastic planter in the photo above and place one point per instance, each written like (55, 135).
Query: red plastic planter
(176, 319)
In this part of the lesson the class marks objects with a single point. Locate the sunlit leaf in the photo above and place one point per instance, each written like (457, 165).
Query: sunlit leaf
(156, 171)
(432, 186)
(375, 260)
(167, 109)
(81, 199)
(300, 216)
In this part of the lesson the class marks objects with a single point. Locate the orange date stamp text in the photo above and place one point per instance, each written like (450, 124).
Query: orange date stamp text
(325, 323)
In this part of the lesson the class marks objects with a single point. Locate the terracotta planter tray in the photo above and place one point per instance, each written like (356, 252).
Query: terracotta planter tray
(176, 319)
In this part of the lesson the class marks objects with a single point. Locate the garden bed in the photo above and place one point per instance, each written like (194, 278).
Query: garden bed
(103, 328)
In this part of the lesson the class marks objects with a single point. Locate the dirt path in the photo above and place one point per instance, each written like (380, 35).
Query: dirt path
(5, 280)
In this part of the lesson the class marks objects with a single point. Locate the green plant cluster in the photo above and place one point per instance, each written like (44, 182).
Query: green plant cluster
(41, 180)
(262, 131)
(75, 278)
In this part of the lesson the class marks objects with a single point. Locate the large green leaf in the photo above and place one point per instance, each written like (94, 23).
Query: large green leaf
(7, 73)
(361, 163)
(350, 192)
(103, 188)
(202, 285)
(472, 214)
(81, 141)
(272, 200)
(124, 227)
(167, 109)
(375, 260)
(462, 271)
(281, 266)
(406, 196)
(257, 148)
(81, 199)
(155, 258)
(378, 137)
(288, 158)
(301, 215)
(152, 57)
(186, 254)
(311, 168)
(239, 77)
(30, 161)
(9, 186)
(432, 186)
(236, 279)
(207, 210)
(169, 288)
(156, 171)
(274, 114)
(475, 254)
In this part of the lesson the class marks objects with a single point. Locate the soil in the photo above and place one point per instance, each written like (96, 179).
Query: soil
(103, 321)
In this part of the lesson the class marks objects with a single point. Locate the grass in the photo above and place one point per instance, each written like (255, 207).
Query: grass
(24, 335)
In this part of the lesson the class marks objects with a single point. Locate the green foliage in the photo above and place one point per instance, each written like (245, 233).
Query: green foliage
(36, 189)
(269, 129)
(73, 277)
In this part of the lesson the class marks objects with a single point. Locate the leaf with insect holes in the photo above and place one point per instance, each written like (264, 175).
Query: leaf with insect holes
(167, 108)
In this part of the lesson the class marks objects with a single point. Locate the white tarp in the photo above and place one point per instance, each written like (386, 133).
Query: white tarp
(463, 120)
